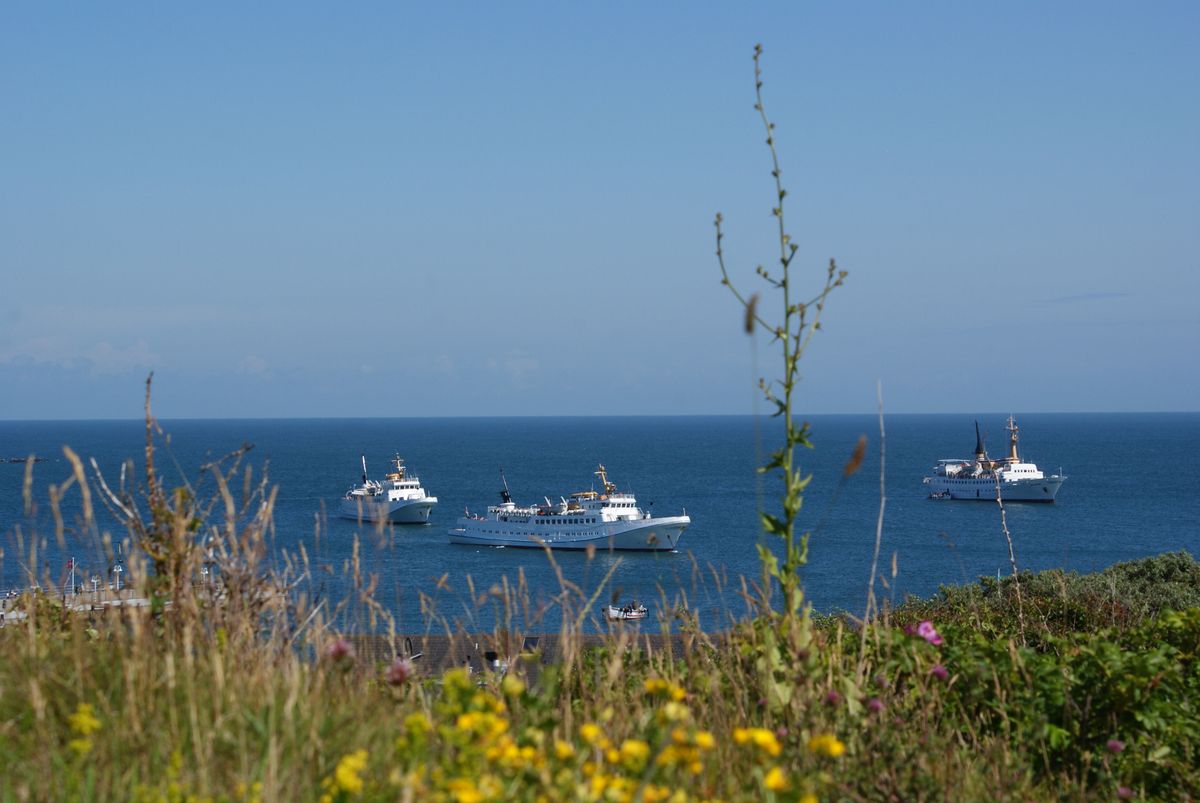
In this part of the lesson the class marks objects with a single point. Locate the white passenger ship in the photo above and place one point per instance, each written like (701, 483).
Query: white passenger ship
(602, 520)
(982, 478)
(399, 499)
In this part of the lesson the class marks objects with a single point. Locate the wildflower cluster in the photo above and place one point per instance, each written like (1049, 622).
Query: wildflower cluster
(346, 781)
(475, 744)
(83, 723)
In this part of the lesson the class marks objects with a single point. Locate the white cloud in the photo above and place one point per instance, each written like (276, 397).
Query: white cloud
(517, 366)
(109, 360)
(253, 365)
(99, 359)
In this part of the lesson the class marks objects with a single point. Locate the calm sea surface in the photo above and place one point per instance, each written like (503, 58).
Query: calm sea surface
(1130, 494)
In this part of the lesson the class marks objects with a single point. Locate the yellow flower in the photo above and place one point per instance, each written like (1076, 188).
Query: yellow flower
(563, 750)
(656, 794)
(482, 723)
(634, 753)
(512, 685)
(346, 774)
(465, 791)
(590, 733)
(826, 744)
(417, 724)
(809, 797)
(655, 686)
(84, 721)
(81, 746)
(776, 780)
(674, 712)
(705, 740)
(760, 737)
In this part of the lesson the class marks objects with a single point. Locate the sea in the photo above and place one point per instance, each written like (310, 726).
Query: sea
(1130, 493)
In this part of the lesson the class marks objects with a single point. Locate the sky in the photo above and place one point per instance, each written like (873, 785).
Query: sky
(401, 209)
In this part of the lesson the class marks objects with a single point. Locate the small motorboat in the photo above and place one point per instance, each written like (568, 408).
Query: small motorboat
(634, 610)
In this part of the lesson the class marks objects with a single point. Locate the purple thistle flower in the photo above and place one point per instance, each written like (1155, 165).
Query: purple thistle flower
(781, 732)
(832, 697)
(939, 672)
(875, 705)
(1115, 745)
(1124, 792)
(927, 631)
(399, 672)
(338, 649)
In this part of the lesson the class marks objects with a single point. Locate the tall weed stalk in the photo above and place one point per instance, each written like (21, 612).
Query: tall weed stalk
(799, 319)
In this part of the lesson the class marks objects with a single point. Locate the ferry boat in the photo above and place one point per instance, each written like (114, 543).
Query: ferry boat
(607, 519)
(399, 499)
(983, 479)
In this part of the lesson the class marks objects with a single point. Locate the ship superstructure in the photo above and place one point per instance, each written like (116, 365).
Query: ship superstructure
(599, 519)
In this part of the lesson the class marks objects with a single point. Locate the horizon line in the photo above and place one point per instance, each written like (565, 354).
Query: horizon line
(141, 419)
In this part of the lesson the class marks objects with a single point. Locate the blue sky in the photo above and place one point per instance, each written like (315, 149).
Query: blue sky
(506, 209)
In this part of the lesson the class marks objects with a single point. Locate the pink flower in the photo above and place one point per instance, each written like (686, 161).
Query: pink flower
(832, 697)
(399, 672)
(338, 649)
(939, 672)
(926, 631)
(1124, 792)
(875, 705)
(1115, 745)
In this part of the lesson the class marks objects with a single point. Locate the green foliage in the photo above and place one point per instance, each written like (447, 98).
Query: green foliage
(1092, 707)
(1057, 602)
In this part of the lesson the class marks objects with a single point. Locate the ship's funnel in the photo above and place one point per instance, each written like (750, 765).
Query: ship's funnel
(978, 441)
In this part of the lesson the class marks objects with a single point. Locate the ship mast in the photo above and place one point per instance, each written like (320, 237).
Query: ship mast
(1012, 441)
(609, 488)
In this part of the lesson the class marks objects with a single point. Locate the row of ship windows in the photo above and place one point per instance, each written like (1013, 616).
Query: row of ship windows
(559, 521)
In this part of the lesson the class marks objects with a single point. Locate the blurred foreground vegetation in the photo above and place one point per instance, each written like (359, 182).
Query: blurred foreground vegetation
(234, 696)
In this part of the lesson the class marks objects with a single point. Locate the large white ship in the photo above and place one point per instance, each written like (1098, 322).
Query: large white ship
(399, 499)
(607, 519)
(983, 479)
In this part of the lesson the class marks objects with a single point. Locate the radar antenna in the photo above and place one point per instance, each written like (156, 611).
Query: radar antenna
(609, 488)
(504, 494)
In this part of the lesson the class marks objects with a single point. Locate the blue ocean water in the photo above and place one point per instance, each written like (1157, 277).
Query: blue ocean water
(1129, 495)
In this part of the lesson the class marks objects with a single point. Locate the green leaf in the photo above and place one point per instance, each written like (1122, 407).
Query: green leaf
(767, 558)
(1058, 737)
(772, 524)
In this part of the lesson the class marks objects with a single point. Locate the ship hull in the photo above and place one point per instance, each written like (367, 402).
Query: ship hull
(642, 535)
(415, 511)
(984, 490)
